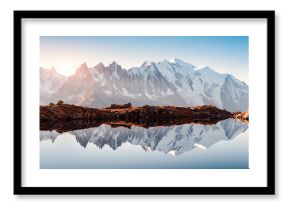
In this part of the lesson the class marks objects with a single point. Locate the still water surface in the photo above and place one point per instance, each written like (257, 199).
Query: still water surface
(188, 146)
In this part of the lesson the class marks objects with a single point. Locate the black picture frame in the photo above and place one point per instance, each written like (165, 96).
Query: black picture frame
(268, 190)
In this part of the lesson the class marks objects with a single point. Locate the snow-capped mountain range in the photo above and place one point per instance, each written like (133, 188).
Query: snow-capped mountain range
(174, 140)
(173, 82)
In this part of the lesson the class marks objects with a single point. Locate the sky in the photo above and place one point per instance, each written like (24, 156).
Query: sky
(224, 54)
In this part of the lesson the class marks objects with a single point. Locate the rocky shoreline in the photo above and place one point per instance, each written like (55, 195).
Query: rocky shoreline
(65, 117)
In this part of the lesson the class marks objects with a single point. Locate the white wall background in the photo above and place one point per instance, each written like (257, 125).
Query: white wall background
(282, 98)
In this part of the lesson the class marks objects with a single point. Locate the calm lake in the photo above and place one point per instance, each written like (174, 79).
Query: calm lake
(188, 146)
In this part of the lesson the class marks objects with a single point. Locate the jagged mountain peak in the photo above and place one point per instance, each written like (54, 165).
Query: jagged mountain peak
(83, 68)
(100, 64)
(176, 60)
(84, 64)
(115, 65)
(173, 82)
(207, 71)
(181, 63)
(146, 63)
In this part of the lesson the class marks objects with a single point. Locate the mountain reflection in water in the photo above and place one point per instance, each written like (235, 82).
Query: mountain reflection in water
(175, 139)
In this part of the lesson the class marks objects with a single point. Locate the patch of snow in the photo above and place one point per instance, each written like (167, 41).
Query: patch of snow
(199, 146)
(126, 93)
(108, 92)
(168, 92)
(115, 74)
(172, 152)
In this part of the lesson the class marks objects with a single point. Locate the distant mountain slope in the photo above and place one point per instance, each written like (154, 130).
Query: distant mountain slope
(50, 82)
(162, 83)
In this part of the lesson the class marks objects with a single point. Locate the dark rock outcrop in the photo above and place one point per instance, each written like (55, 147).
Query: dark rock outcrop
(58, 103)
(244, 116)
(71, 112)
(64, 117)
(116, 106)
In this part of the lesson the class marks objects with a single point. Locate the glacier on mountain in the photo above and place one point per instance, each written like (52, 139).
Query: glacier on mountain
(172, 82)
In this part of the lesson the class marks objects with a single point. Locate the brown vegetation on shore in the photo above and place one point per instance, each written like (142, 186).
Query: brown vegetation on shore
(64, 117)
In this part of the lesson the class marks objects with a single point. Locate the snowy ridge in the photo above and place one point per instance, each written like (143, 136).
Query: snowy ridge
(166, 82)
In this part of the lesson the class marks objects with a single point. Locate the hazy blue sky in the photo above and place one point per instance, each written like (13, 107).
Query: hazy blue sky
(224, 54)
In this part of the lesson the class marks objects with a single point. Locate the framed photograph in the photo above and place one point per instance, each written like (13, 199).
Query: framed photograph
(144, 102)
